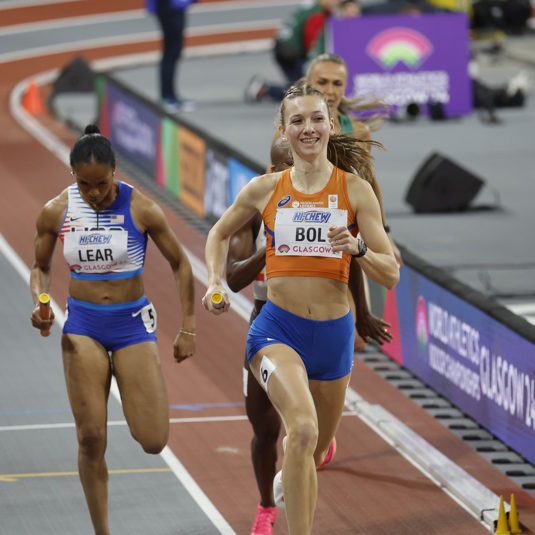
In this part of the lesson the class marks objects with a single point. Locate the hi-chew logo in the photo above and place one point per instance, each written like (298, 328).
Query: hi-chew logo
(399, 45)
(311, 217)
(95, 239)
(422, 328)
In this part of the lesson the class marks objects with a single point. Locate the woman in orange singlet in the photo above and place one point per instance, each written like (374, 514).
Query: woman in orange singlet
(300, 347)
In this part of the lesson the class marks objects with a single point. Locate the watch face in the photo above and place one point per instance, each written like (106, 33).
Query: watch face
(362, 249)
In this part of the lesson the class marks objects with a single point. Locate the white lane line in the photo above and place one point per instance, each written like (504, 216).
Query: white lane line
(460, 486)
(13, 4)
(134, 38)
(70, 22)
(167, 455)
(201, 51)
(423, 456)
(133, 14)
(119, 423)
(208, 7)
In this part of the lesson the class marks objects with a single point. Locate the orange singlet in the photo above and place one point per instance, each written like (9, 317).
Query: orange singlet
(296, 228)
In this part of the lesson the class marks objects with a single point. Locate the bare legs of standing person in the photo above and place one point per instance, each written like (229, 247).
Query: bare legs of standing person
(88, 376)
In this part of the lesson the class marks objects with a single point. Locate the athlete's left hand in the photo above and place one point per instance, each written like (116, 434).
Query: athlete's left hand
(371, 327)
(184, 346)
(341, 240)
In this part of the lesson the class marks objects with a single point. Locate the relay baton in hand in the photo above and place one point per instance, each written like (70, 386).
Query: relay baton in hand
(217, 300)
(44, 310)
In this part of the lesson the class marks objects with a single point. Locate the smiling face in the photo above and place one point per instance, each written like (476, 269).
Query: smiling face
(307, 125)
(95, 183)
(331, 79)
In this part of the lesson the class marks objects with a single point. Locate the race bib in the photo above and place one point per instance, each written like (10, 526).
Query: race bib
(148, 316)
(303, 232)
(96, 251)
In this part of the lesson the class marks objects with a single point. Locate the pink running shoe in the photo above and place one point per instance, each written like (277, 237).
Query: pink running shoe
(331, 452)
(264, 520)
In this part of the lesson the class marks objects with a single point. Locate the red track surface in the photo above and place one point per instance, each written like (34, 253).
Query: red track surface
(369, 488)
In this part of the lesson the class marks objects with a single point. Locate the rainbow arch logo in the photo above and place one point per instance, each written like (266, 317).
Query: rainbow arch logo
(399, 45)
(422, 330)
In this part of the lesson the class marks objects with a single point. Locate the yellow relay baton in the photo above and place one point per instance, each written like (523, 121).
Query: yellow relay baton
(44, 311)
(217, 300)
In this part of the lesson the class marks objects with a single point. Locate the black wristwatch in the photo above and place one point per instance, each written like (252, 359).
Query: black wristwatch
(362, 250)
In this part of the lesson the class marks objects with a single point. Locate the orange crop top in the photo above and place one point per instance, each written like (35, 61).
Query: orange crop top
(296, 229)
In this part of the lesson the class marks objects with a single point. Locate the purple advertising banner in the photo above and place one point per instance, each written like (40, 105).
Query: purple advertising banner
(481, 366)
(407, 59)
(134, 128)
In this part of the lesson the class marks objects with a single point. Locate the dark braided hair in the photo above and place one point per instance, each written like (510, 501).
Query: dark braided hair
(92, 145)
(343, 150)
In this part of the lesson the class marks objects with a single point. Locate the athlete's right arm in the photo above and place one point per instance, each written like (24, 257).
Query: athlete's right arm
(47, 225)
(243, 263)
(251, 199)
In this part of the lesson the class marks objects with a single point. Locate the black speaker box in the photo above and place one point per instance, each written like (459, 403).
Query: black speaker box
(441, 185)
(76, 77)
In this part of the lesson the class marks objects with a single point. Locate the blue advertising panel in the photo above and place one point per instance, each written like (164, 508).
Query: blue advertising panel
(239, 175)
(480, 365)
(216, 191)
(133, 128)
(407, 59)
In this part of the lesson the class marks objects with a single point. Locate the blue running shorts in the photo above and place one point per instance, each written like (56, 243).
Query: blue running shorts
(114, 326)
(326, 347)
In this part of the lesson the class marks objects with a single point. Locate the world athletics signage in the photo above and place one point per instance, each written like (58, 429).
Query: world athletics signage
(407, 59)
(479, 364)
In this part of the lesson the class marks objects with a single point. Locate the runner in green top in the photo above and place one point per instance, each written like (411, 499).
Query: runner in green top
(328, 73)
(346, 125)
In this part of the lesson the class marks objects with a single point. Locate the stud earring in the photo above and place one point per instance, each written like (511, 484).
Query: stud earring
(113, 173)
(72, 173)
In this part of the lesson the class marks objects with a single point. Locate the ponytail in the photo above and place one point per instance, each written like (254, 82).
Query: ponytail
(351, 155)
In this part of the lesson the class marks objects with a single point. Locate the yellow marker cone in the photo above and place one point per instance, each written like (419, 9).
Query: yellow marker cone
(514, 526)
(502, 527)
